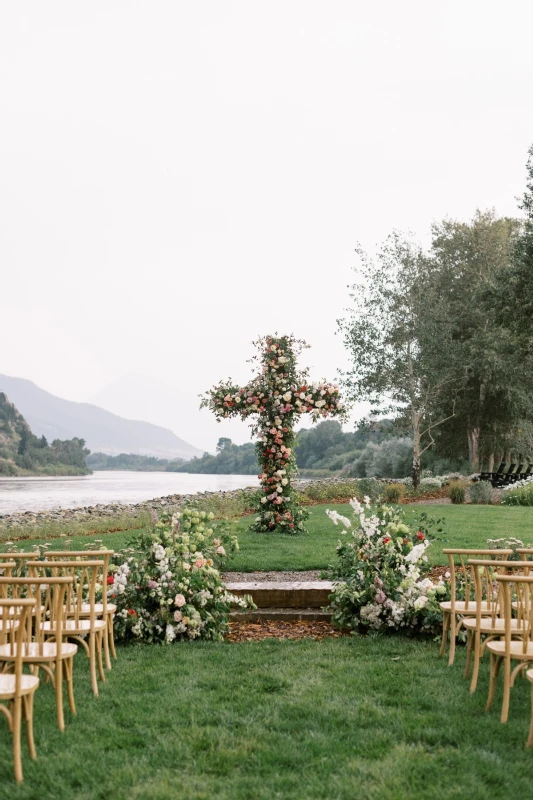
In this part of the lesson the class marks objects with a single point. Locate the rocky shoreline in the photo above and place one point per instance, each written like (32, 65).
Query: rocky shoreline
(173, 501)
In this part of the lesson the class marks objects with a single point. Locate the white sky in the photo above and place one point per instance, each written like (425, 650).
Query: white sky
(178, 178)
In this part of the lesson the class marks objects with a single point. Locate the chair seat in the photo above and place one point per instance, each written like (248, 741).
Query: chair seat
(35, 651)
(517, 649)
(460, 607)
(489, 625)
(98, 608)
(28, 684)
(80, 627)
(529, 675)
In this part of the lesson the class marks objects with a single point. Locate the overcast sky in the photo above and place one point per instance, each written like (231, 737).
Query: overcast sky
(178, 177)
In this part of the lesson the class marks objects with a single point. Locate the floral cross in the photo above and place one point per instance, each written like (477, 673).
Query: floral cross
(276, 397)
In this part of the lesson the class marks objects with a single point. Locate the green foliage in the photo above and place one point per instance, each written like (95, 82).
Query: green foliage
(520, 496)
(131, 461)
(231, 459)
(393, 492)
(457, 492)
(380, 581)
(27, 453)
(481, 493)
(167, 585)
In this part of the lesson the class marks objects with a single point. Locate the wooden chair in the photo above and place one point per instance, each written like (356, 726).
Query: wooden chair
(103, 610)
(456, 609)
(77, 624)
(55, 657)
(529, 676)
(489, 621)
(19, 561)
(18, 689)
(517, 591)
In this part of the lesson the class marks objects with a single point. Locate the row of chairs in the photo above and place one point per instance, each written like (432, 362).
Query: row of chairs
(492, 599)
(501, 478)
(47, 609)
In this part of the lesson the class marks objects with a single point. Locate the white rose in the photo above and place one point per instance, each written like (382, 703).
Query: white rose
(237, 399)
(287, 396)
(263, 499)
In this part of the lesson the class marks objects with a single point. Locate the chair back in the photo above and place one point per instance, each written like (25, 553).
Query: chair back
(88, 555)
(81, 589)
(462, 580)
(18, 612)
(49, 595)
(526, 552)
(19, 561)
(517, 592)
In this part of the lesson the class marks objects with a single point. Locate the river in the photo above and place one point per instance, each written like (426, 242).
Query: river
(45, 493)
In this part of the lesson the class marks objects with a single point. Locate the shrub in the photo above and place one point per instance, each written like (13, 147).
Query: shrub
(457, 492)
(380, 574)
(481, 493)
(393, 492)
(167, 585)
(520, 494)
(431, 484)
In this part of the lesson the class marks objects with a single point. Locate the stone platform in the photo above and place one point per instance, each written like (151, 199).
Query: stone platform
(283, 600)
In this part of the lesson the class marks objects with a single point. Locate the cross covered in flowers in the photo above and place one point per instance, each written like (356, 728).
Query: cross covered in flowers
(277, 397)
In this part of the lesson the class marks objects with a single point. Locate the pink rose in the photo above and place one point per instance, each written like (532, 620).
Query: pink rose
(179, 600)
(178, 616)
(200, 562)
(221, 551)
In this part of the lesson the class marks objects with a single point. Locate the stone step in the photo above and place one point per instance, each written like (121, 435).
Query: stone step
(281, 614)
(284, 594)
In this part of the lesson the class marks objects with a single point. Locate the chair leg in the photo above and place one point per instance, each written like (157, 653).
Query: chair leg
(28, 714)
(17, 721)
(477, 659)
(445, 625)
(506, 689)
(492, 684)
(110, 625)
(529, 742)
(92, 661)
(453, 625)
(106, 644)
(99, 637)
(469, 645)
(59, 694)
(69, 665)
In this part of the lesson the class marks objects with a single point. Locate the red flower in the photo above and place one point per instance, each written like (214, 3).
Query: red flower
(386, 540)
(420, 536)
(132, 612)
(110, 580)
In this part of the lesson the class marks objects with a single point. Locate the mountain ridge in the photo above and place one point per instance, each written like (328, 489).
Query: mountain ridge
(103, 431)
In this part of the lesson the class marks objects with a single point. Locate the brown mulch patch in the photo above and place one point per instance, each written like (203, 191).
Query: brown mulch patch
(436, 572)
(273, 629)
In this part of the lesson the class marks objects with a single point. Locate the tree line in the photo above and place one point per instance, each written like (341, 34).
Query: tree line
(440, 338)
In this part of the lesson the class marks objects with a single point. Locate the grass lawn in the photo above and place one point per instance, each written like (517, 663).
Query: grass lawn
(363, 718)
(464, 526)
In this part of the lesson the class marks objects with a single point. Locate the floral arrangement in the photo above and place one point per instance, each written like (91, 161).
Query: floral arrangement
(277, 396)
(382, 574)
(167, 585)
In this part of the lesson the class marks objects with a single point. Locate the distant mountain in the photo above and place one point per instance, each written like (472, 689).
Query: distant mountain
(103, 431)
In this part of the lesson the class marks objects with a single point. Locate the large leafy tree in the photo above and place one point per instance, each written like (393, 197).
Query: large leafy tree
(466, 260)
(512, 296)
(396, 332)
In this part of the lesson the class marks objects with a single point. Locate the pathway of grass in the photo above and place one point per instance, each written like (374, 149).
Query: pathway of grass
(339, 719)
(464, 526)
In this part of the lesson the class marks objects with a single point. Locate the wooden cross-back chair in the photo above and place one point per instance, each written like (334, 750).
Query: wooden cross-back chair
(103, 610)
(19, 561)
(489, 620)
(462, 583)
(55, 657)
(517, 595)
(77, 623)
(18, 689)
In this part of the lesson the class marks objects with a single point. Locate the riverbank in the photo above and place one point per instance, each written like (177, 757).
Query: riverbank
(232, 502)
